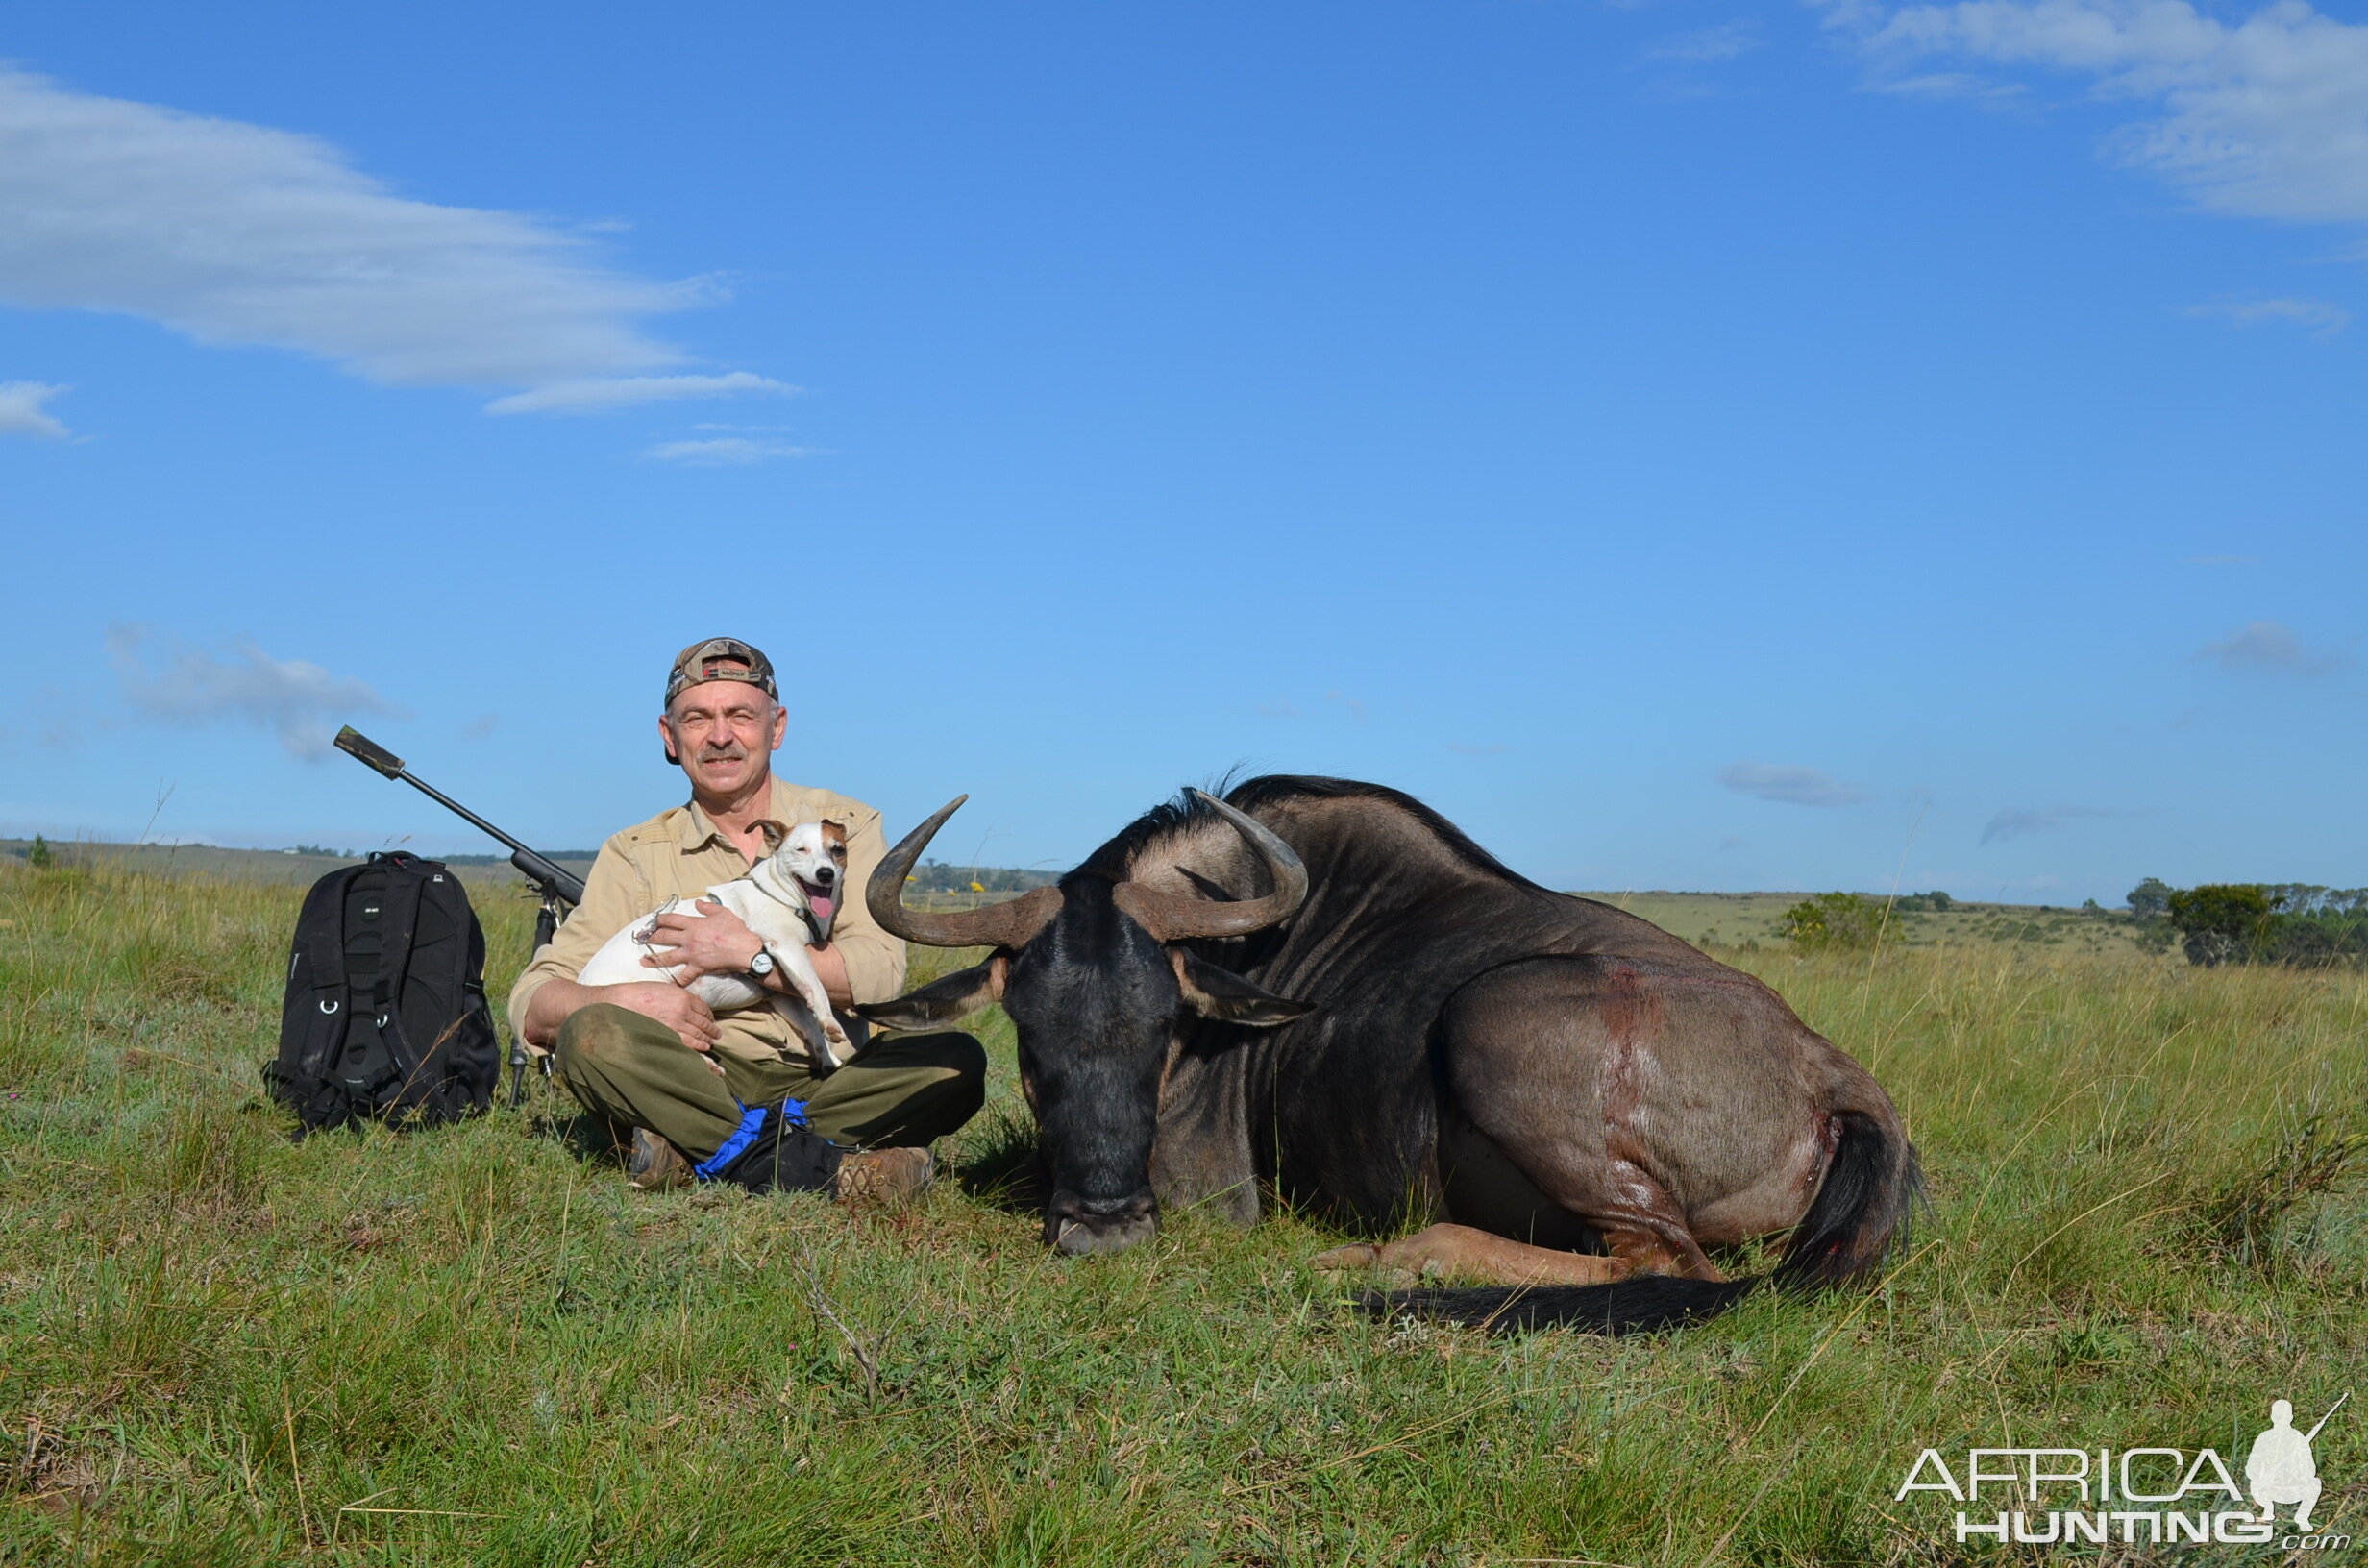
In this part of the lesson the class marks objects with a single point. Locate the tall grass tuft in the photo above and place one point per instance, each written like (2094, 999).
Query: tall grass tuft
(2243, 1214)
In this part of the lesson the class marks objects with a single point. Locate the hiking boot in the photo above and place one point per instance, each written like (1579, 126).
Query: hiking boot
(884, 1176)
(656, 1166)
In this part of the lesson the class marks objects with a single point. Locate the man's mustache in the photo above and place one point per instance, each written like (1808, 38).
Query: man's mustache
(732, 752)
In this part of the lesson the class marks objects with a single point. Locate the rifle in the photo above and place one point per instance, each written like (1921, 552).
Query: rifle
(561, 890)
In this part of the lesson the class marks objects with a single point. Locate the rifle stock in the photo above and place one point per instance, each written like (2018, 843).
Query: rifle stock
(564, 884)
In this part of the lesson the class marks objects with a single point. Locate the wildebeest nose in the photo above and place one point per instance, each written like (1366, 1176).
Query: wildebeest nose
(1082, 1226)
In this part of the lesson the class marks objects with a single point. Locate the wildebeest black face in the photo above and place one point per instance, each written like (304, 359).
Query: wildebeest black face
(1094, 980)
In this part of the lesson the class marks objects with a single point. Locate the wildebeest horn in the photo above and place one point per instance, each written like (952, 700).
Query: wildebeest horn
(1007, 924)
(1173, 918)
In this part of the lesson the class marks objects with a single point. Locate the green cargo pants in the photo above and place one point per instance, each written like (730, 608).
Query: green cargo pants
(633, 1071)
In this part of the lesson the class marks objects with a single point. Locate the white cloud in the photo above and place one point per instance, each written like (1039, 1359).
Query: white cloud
(21, 412)
(1704, 46)
(600, 396)
(2325, 320)
(726, 450)
(191, 687)
(2266, 116)
(2266, 648)
(245, 235)
(2013, 824)
(1958, 84)
(1794, 786)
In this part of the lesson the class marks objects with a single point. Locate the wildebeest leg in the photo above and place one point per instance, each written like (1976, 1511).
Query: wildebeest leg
(1459, 1252)
(1484, 1189)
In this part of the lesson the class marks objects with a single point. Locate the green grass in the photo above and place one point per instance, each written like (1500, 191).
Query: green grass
(467, 1346)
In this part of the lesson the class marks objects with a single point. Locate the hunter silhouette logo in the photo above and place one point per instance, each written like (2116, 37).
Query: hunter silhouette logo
(2139, 1496)
(2280, 1470)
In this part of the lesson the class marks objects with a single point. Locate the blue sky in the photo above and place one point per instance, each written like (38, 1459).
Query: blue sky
(1693, 444)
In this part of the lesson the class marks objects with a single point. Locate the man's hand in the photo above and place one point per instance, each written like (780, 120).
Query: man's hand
(713, 942)
(691, 1019)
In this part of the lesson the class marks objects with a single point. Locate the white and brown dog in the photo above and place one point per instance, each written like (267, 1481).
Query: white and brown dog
(789, 898)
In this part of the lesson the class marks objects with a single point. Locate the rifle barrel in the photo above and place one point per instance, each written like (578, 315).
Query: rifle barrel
(2328, 1416)
(371, 754)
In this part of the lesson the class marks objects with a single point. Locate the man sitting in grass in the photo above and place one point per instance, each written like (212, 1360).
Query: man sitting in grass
(644, 1056)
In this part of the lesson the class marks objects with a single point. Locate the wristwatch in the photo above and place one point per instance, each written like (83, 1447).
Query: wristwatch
(763, 964)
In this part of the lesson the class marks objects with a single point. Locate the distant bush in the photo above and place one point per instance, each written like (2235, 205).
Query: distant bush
(40, 857)
(2253, 923)
(1834, 919)
(2220, 923)
(2151, 899)
(2149, 916)
(1934, 902)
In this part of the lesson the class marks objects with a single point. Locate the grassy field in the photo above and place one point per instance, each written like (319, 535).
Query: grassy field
(278, 868)
(1721, 920)
(469, 1346)
(1756, 919)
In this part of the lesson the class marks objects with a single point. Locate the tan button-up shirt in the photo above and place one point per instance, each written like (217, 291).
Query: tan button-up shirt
(679, 853)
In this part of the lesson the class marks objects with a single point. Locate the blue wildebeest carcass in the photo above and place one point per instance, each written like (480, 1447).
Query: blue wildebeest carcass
(1324, 989)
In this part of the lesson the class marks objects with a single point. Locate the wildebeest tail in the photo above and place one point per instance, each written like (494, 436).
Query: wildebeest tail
(1859, 1214)
(1647, 1304)
(1863, 1208)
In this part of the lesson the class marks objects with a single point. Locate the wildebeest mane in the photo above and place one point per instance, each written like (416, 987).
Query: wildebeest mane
(1272, 788)
(1185, 814)
(1181, 815)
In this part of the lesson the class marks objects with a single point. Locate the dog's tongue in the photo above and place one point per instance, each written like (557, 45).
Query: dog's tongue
(820, 905)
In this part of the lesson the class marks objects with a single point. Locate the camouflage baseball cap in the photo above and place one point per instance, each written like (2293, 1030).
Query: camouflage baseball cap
(719, 659)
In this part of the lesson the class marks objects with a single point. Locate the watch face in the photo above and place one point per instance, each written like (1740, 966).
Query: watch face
(761, 964)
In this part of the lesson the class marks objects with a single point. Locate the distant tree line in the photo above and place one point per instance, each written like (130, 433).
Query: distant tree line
(936, 876)
(2254, 923)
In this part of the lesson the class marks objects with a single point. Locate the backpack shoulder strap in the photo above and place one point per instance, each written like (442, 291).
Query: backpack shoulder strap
(328, 958)
(402, 891)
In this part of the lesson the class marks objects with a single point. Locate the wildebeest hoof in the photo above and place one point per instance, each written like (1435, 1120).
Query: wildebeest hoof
(1357, 1255)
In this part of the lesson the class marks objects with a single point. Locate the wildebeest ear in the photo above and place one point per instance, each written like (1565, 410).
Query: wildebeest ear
(1224, 996)
(943, 999)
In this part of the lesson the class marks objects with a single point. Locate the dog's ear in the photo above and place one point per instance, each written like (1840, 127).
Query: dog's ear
(834, 836)
(942, 1001)
(1222, 994)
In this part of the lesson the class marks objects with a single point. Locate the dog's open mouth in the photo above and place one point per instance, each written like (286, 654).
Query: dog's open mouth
(817, 900)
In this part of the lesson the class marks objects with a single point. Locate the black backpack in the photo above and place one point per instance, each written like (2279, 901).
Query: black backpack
(385, 1012)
